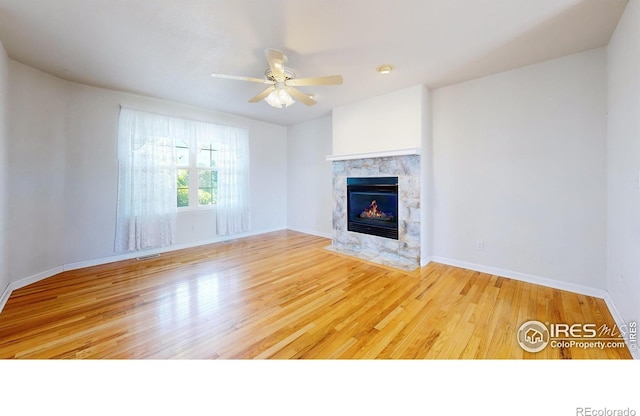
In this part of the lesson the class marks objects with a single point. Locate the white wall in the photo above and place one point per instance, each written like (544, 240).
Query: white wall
(4, 87)
(387, 122)
(62, 141)
(309, 177)
(519, 163)
(36, 120)
(623, 163)
(268, 177)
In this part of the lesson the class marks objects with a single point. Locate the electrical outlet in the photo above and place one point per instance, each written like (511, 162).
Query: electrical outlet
(479, 245)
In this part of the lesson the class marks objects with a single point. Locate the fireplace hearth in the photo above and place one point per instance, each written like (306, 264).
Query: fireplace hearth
(372, 205)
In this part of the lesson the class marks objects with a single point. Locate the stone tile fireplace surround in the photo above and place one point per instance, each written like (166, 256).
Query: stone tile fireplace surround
(403, 253)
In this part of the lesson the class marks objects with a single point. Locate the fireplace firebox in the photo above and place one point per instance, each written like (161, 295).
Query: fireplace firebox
(372, 204)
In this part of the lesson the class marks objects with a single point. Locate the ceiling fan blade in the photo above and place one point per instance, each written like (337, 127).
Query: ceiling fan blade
(250, 79)
(300, 96)
(328, 80)
(276, 63)
(262, 95)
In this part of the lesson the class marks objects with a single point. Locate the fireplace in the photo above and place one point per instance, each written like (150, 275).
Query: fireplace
(372, 205)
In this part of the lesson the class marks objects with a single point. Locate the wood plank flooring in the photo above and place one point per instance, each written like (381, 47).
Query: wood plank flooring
(281, 296)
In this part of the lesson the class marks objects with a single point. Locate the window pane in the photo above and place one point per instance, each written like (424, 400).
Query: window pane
(204, 179)
(207, 187)
(205, 196)
(182, 178)
(182, 156)
(206, 154)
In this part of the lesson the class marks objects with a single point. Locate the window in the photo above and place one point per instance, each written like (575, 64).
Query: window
(167, 164)
(196, 173)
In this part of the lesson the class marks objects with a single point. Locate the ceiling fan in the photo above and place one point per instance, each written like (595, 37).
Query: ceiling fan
(282, 93)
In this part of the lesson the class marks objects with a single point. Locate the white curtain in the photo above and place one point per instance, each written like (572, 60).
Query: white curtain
(232, 211)
(146, 212)
(147, 194)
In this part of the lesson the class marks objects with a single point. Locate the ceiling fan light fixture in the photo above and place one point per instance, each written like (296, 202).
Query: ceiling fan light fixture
(283, 83)
(279, 98)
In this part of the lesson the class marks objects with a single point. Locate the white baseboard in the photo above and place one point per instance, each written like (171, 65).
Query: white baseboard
(425, 260)
(617, 316)
(312, 232)
(25, 282)
(5, 296)
(529, 278)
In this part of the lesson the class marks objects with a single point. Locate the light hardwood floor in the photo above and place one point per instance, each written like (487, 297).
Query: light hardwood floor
(282, 295)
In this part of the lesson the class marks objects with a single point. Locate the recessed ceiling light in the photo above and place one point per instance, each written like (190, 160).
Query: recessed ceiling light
(385, 69)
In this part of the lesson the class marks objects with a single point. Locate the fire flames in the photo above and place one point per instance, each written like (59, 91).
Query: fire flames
(372, 212)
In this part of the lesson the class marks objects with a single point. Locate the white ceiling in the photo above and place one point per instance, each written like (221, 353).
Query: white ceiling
(168, 48)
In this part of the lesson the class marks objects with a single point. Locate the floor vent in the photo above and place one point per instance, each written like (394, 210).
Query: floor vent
(149, 257)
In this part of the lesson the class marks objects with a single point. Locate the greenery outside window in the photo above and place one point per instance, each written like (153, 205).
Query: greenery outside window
(196, 174)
